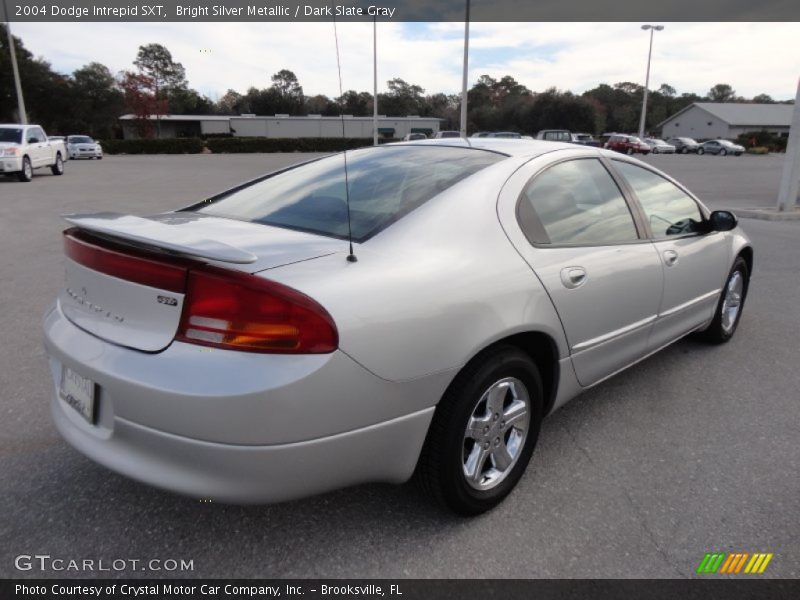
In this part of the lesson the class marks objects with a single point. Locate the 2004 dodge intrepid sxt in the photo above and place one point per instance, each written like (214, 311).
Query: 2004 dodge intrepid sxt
(236, 349)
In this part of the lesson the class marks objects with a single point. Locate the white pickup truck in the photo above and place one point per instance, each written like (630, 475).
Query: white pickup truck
(24, 148)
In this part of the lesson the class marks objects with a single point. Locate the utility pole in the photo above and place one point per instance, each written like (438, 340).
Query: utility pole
(463, 127)
(375, 81)
(653, 29)
(790, 180)
(23, 115)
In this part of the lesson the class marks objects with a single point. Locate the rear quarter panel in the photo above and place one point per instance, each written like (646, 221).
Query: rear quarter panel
(430, 292)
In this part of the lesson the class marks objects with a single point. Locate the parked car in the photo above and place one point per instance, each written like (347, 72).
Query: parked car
(440, 135)
(24, 148)
(721, 148)
(627, 144)
(585, 139)
(512, 135)
(555, 135)
(482, 134)
(659, 146)
(242, 350)
(684, 145)
(82, 146)
(410, 137)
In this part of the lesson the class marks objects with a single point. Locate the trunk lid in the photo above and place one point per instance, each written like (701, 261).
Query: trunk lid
(126, 276)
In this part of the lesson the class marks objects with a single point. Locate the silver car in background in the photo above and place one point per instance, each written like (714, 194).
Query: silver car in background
(720, 148)
(241, 350)
(82, 146)
(659, 146)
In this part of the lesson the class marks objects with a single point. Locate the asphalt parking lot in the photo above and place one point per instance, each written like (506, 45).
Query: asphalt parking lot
(694, 450)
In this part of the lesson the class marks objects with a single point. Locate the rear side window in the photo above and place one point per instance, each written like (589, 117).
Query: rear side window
(668, 208)
(385, 183)
(9, 134)
(575, 202)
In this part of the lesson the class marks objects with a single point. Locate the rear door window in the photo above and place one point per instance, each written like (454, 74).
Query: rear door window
(385, 184)
(575, 202)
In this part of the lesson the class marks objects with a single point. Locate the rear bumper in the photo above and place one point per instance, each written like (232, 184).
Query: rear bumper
(239, 427)
(251, 474)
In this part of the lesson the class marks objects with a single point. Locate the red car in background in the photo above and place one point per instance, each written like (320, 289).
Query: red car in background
(627, 144)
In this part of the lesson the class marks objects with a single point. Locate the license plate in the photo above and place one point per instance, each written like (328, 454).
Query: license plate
(78, 392)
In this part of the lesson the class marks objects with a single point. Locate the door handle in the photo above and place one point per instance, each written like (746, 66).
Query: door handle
(573, 277)
(670, 257)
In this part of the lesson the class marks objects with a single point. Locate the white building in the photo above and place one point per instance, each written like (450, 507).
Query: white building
(726, 120)
(283, 126)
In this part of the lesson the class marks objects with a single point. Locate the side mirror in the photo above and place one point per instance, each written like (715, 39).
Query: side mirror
(33, 140)
(722, 220)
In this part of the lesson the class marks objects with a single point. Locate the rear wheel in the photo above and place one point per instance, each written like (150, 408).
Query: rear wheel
(629, 151)
(655, 150)
(483, 432)
(701, 151)
(730, 305)
(26, 174)
(58, 167)
(723, 152)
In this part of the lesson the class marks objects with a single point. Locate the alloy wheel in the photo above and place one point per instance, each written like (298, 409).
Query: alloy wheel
(496, 433)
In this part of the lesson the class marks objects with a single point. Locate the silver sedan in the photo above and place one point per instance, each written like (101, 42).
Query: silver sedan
(415, 314)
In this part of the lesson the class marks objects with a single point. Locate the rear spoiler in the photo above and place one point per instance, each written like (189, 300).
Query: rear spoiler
(154, 233)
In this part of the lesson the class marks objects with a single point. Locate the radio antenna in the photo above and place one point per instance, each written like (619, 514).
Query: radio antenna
(350, 257)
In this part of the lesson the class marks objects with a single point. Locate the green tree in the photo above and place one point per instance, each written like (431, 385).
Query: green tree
(763, 99)
(98, 101)
(286, 93)
(722, 92)
(41, 87)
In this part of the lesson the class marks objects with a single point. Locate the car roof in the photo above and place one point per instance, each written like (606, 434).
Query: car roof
(511, 147)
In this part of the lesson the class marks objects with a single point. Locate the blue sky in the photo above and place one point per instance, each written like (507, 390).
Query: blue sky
(753, 57)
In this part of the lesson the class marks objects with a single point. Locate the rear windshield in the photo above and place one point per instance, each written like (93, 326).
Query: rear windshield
(80, 139)
(9, 134)
(385, 183)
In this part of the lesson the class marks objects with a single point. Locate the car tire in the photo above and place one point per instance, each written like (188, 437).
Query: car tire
(729, 308)
(465, 436)
(26, 174)
(723, 152)
(700, 151)
(58, 167)
(655, 150)
(629, 151)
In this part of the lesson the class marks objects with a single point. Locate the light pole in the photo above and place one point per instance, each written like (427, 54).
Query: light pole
(463, 126)
(375, 81)
(653, 29)
(23, 116)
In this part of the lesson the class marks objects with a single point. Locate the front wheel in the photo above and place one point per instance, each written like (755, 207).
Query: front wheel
(700, 151)
(58, 167)
(27, 170)
(730, 305)
(655, 150)
(629, 151)
(483, 432)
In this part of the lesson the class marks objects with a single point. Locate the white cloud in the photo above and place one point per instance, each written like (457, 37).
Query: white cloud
(753, 58)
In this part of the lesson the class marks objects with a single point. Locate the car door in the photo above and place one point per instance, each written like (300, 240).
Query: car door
(695, 260)
(37, 147)
(587, 248)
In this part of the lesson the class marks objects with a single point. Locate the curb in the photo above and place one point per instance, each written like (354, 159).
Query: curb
(768, 214)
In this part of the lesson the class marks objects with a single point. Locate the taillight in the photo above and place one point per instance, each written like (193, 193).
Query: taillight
(228, 309)
(126, 263)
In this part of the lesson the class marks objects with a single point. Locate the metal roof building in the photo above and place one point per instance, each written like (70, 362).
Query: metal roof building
(283, 126)
(711, 120)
